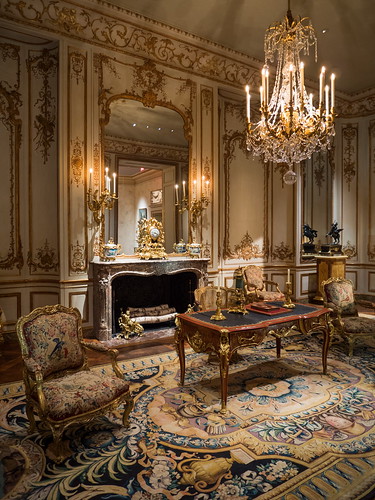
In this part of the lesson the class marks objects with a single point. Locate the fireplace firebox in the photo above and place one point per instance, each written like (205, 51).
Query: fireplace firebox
(135, 283)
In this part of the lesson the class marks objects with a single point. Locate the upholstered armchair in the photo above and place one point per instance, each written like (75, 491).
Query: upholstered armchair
(59, 385)
(339, 296)
(257, 285)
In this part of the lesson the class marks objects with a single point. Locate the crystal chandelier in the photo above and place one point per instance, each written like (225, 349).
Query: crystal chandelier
(291, 127)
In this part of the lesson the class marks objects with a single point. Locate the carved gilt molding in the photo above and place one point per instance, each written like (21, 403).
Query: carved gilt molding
(149, 39)
(247, 249)
(78, 263)
(46, 259)
(350, 250)
(76, 160)
(145, 149)
(44, 66)
(10, 104)
(350, 152)
(283, 252)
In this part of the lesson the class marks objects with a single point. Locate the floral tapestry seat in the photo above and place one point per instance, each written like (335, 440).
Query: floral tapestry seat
(59, 385)
(338, 295)
(257, 285)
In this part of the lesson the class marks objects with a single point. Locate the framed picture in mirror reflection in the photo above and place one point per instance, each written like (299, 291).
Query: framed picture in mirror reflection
(142, 213)
(156, 197)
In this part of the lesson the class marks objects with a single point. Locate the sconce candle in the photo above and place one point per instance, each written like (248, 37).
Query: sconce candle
(176, 190)
(114, 184)
(288, 279)
(90, 179)
(184, 189)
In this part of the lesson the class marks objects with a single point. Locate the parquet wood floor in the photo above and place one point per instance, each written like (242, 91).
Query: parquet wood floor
(11, 362)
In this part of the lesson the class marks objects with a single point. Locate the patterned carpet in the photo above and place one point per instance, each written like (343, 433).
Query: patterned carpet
(290, 433)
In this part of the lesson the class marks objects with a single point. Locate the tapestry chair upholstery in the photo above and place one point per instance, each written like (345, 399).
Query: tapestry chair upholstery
(338, 295)
(59, 384)
(258, 286)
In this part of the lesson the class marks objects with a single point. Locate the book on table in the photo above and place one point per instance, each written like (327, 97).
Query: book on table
(267, 308)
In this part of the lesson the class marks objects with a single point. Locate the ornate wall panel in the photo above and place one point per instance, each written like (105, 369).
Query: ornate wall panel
(11, 101)
(371, 205)
(43, 254)
(282, 216)
(317, 195)
(349, 194)
(245, 191)
(78, 162)
(207, 162)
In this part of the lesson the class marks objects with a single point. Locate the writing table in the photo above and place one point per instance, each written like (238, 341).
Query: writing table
(225, 337)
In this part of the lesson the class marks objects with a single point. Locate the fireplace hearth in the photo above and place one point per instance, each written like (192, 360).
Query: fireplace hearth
(138, 283)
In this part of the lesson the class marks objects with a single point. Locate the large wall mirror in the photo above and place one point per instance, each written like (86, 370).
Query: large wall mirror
(147, 149)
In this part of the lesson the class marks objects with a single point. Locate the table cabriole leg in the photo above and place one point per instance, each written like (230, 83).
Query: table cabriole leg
(180, 348)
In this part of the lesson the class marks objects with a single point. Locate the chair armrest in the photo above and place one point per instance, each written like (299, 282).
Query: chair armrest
(365, 303)
(32, 366)
(270, 282)
(96, 345)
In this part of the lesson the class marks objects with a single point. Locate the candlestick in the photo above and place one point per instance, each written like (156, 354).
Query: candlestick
(90, 179)
(267, 85)
(288, 280)
(261, 95)
(218, 316)
(247, 88)
(327, 99)
(183, 189)
(114, 184)
(302, 77)
(333, 90)
(321, 85)
(176, 190)
(194, 188)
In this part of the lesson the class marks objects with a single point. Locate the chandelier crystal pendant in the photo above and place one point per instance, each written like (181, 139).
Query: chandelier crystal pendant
(291, 127)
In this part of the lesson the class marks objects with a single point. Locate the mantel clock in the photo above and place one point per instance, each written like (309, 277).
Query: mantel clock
(151, 239)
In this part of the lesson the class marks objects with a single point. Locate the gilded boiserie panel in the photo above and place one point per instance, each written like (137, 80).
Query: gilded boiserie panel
(42, 67)
(282, 209)
(245, 191)
(317, 175)
(11, 101)
(77, 174)
(350, 188)
(207, 158)
(371, 232)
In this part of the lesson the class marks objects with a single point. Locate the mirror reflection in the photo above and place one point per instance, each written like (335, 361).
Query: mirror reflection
(148, 150)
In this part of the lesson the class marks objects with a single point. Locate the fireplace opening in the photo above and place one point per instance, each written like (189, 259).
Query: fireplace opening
(134, 291)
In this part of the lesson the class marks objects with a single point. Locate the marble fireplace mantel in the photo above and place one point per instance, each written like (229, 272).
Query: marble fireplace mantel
(103, 274)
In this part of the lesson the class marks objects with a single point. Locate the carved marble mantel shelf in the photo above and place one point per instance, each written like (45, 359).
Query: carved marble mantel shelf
(103, 274)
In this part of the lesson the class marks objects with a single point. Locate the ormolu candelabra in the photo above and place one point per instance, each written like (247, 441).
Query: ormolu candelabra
(98, 203)
(196, 208)
(218, 316)
(288, 293)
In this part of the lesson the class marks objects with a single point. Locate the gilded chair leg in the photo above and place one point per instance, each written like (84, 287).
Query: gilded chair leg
(129, 403)
(30, 416)
(58, 451)
(351, 346)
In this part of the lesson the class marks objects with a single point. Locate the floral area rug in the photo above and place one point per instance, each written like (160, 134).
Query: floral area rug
(289, 433)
